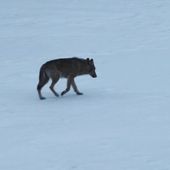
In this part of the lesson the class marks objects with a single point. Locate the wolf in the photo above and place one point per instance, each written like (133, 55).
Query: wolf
(68, 68)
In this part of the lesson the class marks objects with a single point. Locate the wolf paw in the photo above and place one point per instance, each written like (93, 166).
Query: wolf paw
(42, 98)
(79, 93)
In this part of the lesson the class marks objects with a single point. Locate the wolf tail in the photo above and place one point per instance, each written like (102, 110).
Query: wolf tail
(43, 78)
(42, 74)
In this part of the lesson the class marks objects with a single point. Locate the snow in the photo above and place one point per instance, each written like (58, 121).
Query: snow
(122, 121)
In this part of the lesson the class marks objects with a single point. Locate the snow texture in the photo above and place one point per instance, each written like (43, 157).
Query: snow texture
(122, 122)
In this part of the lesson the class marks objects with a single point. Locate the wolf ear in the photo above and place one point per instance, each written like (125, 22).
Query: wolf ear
(88, 60)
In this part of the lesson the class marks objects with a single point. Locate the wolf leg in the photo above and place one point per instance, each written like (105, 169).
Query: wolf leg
(75, 88)
(68, 85)
(54, 81)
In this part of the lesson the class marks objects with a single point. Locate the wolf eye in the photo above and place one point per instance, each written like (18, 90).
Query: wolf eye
(92, 69)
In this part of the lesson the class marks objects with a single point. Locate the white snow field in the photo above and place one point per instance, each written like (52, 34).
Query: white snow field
(122, 122)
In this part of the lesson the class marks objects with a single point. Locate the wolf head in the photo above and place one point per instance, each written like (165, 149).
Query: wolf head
(91, 68)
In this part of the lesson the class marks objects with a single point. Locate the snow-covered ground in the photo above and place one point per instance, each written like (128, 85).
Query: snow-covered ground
(122, 122)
